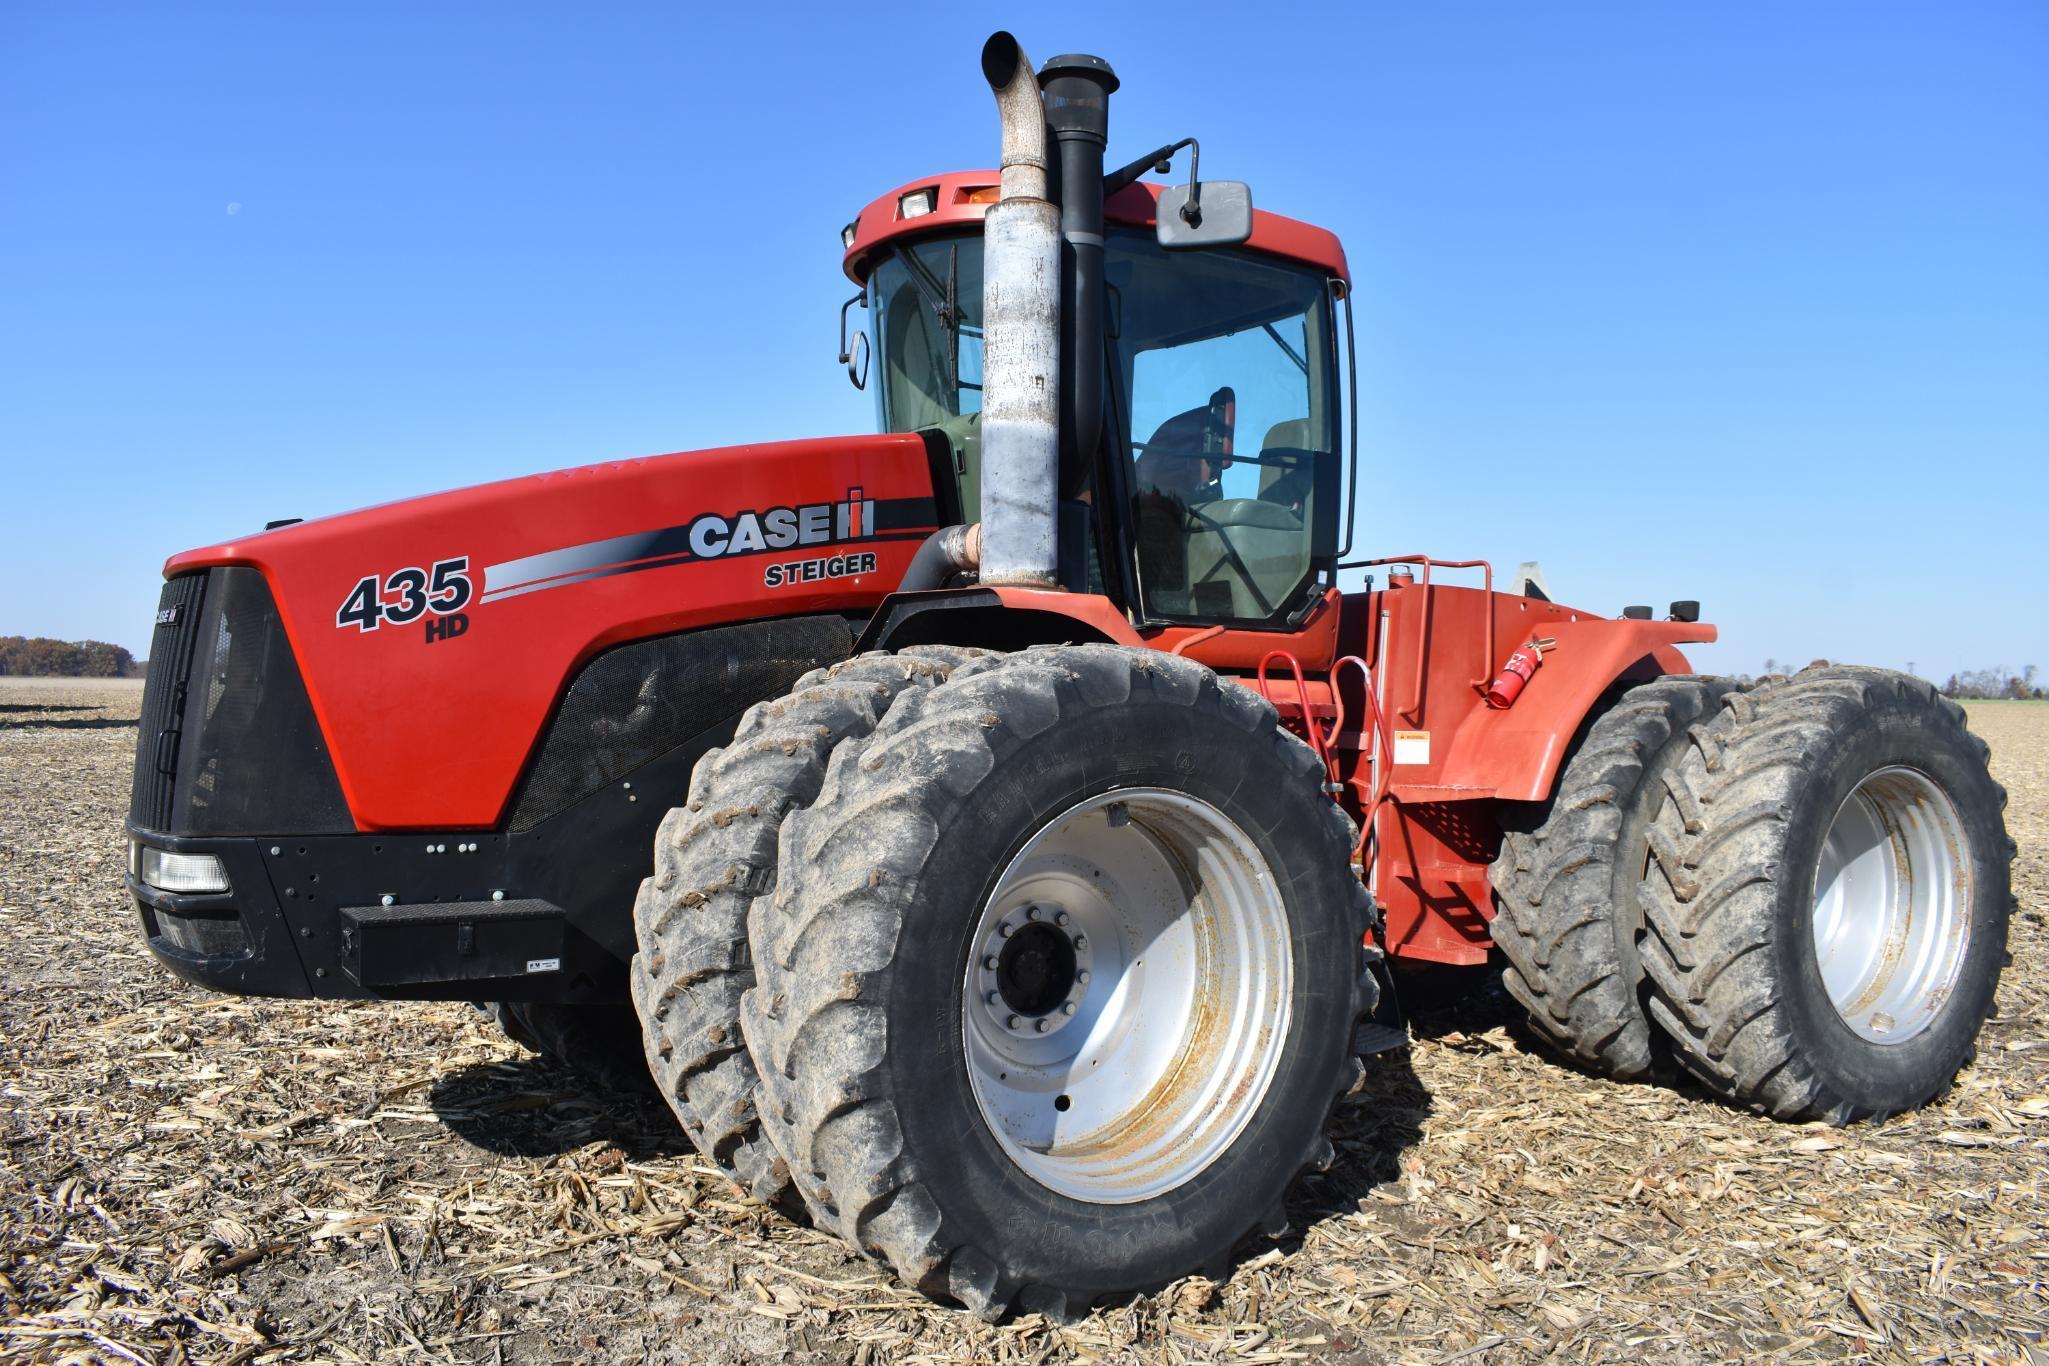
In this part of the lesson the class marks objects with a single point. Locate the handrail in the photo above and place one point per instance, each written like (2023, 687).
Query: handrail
(1414, 710)
(1383, 740)
(1311, 731)
(1382, 736)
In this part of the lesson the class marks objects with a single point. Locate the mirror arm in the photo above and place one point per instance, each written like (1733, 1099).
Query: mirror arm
(857, 371)
(1191, 212)
(1156, 160)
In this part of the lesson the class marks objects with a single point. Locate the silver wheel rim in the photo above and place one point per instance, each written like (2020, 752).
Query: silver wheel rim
(1121, 1074)
(1892, 899)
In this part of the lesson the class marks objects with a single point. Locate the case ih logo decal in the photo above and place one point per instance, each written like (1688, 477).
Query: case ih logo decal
(712, 536)
(441, 592)
(720, 536)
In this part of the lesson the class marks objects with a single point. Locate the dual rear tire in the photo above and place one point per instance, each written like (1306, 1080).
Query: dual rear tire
(1797, 892)
(1826, 907)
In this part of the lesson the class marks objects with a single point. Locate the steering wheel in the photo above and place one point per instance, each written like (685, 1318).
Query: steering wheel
(1237, 562)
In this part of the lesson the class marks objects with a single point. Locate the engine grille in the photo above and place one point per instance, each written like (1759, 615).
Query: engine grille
(228, 743)
(641, 700)
(163, 701)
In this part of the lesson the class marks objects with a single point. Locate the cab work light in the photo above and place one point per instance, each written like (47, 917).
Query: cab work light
(917, 203)
(169, 872)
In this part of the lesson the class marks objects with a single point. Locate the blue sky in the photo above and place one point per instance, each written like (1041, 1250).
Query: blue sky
(1741, 302)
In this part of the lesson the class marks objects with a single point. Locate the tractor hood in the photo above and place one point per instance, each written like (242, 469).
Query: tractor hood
(436, 634)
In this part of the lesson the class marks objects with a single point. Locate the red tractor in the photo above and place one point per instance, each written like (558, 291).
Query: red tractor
(1035, 827)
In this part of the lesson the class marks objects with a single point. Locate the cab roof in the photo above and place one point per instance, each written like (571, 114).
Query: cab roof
(962, 197)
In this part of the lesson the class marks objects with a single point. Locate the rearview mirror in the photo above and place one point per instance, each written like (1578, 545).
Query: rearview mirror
(1209, 213)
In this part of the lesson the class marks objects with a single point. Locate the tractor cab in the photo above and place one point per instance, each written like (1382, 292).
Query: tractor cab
(1221, 419)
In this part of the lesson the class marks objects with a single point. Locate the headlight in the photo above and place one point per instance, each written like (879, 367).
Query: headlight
(169, 872)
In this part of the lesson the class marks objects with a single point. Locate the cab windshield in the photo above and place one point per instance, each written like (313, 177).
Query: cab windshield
(1223, 403)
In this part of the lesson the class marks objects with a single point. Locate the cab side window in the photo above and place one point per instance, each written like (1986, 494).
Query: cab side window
(1232, 417)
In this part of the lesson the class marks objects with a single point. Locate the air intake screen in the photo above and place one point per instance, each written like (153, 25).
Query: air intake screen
(639, 701)
(252, 760)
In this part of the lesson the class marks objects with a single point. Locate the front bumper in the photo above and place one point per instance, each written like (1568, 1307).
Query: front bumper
(416, 916)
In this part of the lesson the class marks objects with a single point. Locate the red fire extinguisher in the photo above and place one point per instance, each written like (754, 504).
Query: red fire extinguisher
(1515, 674)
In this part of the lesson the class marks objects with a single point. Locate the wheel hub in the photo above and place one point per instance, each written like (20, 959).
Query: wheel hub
(1037, 968)
(1034, 970)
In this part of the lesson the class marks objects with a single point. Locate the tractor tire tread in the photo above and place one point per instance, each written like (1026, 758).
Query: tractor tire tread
(713, 856)
(1555, 876)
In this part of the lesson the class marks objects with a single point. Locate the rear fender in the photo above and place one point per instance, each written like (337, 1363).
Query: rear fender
(1515, 754)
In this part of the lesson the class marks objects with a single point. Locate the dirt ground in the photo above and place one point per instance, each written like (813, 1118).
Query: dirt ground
(192, 1177)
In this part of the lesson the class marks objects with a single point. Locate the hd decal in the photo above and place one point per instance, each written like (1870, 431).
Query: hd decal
(712, 536)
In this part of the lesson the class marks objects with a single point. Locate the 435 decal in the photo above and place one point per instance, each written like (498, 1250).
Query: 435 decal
(405, 595)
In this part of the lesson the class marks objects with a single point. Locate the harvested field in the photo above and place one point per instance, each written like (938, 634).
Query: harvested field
(187, 1176)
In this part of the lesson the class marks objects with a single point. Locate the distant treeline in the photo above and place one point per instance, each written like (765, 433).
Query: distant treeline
(1990, 683)
(40, 657)
(1974, 685)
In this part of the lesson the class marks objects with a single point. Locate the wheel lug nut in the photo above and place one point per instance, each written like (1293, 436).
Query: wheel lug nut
(1031, 913)
(1013, 1022)
(1081, 941)
(1006, 930)
(1082, 977)
(993, 997)
(1062, 919)
(1043, 1025)
(990, 962)
(1069, 1008)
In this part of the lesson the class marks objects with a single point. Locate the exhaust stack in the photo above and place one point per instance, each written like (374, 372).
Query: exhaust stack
(1020, 338)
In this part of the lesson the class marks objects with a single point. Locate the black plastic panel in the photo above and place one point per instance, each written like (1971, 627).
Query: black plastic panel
(635, 703)
(252, 758)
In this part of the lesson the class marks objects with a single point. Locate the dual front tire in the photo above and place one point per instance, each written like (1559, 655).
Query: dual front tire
(1054, 988)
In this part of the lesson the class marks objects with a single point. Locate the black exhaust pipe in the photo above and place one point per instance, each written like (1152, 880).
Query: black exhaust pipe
(1077, 91)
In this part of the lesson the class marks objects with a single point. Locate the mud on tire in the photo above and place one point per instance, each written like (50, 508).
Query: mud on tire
(713, 855)
(856, 1020)
(1565, 882)
(1829, 894)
